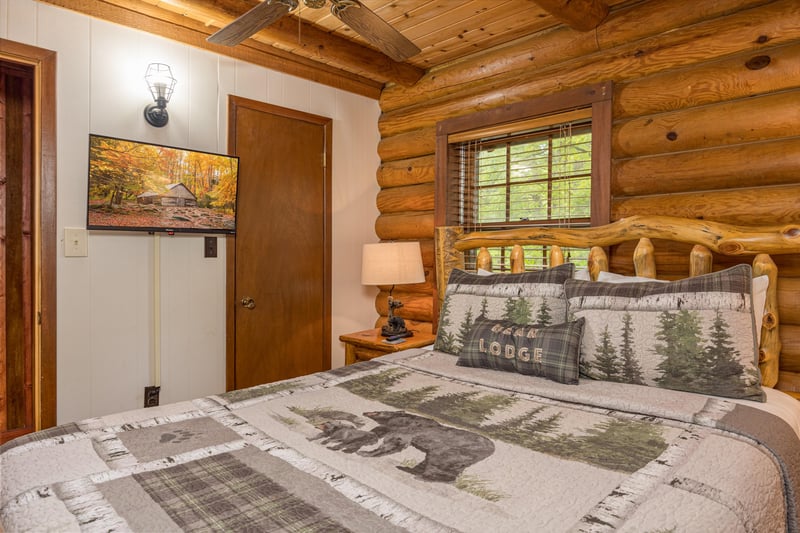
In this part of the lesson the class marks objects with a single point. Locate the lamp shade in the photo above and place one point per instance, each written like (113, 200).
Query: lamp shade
(391, 263)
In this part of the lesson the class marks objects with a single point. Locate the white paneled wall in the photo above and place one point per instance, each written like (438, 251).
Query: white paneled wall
(106, 300)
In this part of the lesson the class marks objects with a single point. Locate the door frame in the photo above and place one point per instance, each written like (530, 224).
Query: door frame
(230, 242)
(45, 245)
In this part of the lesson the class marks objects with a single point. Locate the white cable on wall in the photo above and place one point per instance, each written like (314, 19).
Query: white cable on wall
(156, 370)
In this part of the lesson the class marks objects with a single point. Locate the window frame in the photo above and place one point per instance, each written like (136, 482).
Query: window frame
(598, 97)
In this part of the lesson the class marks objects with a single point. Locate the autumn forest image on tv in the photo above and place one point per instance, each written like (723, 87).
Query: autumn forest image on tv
(142, 186)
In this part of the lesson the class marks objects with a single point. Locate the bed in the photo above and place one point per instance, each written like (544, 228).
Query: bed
(553, 400)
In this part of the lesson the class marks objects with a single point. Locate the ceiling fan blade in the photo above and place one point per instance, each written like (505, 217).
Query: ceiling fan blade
(258, 17)
(374, 29)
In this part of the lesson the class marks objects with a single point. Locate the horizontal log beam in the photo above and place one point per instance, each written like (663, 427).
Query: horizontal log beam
(394, 226)
(748, 73)
(718, 237)
(416, 143)
(582, 15)
(789, 382)
(725, 167)
(410, 171)
(772, 205)
(788, 297)
(727, 123)
(557, 45)
(415, 306)
(417, 326)
(790, 350)
(409, 198)
(671, 50)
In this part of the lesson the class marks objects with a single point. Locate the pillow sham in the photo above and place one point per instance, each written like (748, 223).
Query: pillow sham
(760, 285)
(551, 352)
(524, 298)
(694, 334)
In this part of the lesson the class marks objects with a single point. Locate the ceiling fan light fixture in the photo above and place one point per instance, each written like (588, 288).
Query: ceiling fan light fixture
(360, 18)
(260, 16)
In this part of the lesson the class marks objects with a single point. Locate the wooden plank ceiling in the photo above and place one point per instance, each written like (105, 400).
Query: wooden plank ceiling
(314, 44)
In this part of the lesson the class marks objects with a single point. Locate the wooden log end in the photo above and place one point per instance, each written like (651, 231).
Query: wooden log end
(484, 261)
(770, 321)
(731, 248)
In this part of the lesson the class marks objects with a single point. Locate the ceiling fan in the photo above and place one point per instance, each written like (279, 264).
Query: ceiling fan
(352, 12)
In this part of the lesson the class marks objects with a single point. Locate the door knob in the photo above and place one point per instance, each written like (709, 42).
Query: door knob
(248, 302)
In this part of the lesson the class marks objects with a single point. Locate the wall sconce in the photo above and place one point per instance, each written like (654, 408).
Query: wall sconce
(392, 263)
(161, 83)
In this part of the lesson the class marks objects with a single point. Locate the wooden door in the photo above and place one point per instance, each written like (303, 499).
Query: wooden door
(279, 262)
(28, 246)
(16, 261)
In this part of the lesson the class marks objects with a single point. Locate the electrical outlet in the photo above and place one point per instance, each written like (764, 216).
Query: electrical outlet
(151, 396)
(210, 247)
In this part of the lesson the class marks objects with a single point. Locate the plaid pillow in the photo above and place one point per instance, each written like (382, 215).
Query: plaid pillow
(525, 298)
(695, 334)
(546, 351)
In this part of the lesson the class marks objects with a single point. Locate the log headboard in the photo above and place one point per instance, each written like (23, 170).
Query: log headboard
(754, 244)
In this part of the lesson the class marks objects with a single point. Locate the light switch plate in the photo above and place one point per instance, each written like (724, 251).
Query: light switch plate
(76, 242)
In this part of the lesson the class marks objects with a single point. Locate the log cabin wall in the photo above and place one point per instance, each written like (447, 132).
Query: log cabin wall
(706, 124)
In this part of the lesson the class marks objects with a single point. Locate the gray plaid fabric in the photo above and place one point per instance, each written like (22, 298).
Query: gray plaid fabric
(551, 352)
(737, 279)
(221, 493)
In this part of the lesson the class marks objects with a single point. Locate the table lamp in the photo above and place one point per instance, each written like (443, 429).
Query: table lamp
(392, 263)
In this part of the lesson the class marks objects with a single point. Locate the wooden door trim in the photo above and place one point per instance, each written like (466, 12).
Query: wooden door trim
(230, 243)
(44, 64)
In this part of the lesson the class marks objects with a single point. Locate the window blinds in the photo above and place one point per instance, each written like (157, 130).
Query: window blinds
(509, 178)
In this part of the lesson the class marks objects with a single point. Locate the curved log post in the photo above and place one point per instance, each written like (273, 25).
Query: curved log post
(556, 256)
(770, 348)
(447, 258)
(700, 260)
(517, 259)
(598, 262)
(644, 258)
(484, 260)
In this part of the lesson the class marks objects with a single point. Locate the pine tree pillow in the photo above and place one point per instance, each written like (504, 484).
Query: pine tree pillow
(551, 352)
(535, 297)
(696, 334)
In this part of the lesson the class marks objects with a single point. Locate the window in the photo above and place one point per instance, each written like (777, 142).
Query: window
(539, 163)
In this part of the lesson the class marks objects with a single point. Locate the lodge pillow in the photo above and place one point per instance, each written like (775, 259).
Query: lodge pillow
(524, 298)
(546, 351)
(695, 334)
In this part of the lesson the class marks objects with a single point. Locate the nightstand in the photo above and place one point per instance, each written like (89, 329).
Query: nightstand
(364, 345)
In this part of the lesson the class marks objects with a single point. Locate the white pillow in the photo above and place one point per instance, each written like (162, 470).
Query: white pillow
(582, 274)
(760, 285)
(610, 277)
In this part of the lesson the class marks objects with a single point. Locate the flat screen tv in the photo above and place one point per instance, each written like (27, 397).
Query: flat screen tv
(137, 186)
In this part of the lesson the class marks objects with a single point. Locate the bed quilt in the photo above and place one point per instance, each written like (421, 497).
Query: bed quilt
(412, 442)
